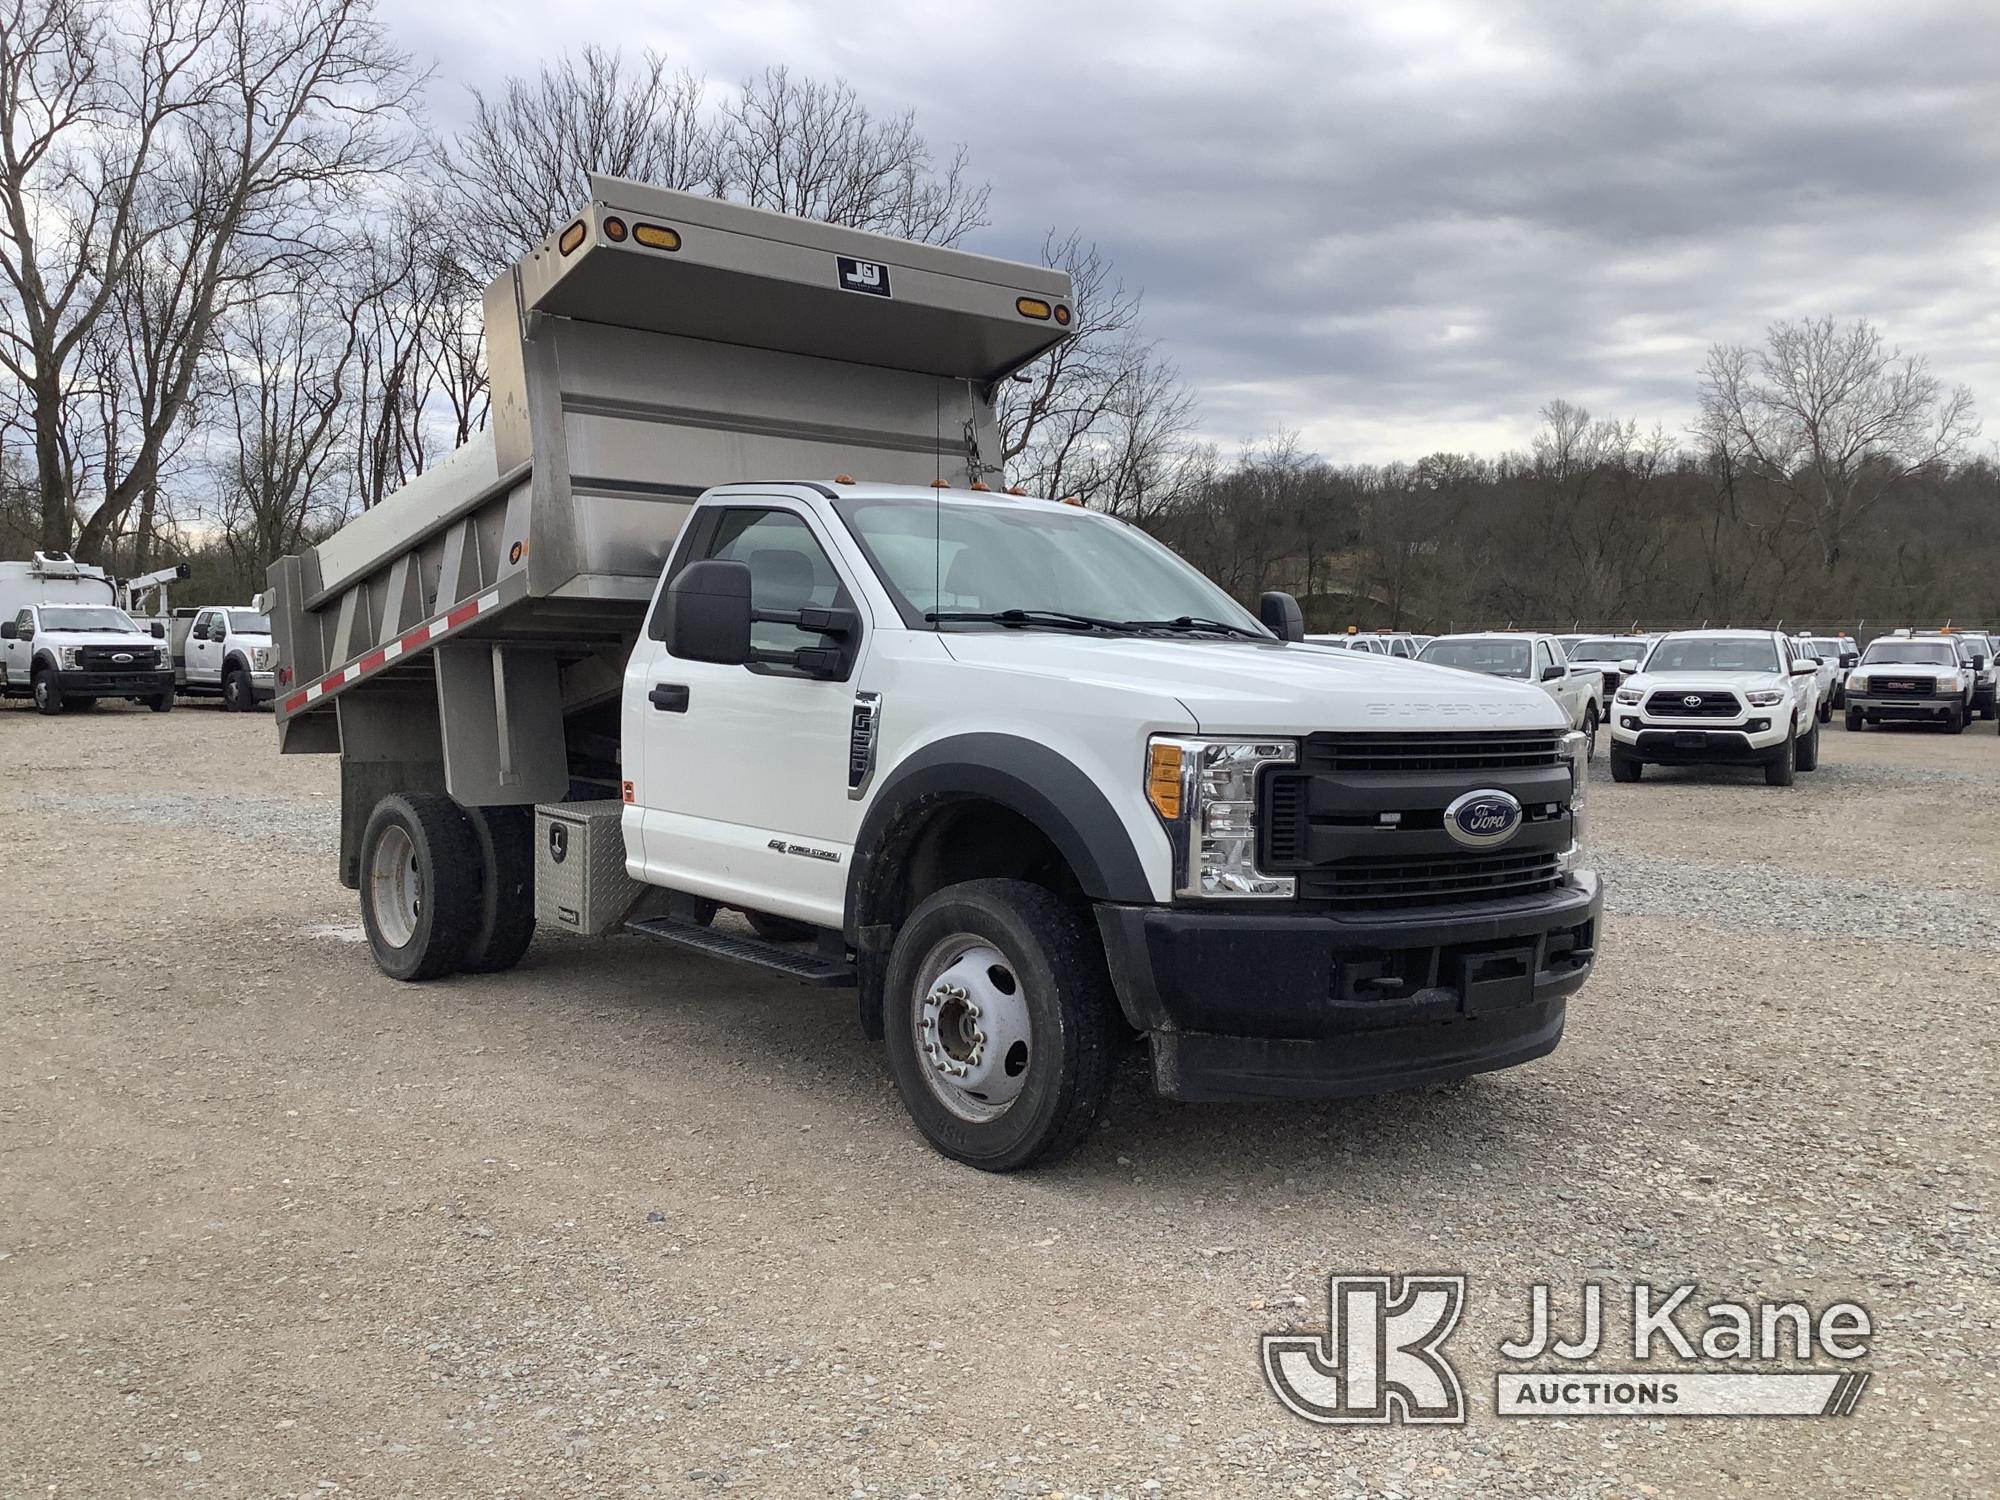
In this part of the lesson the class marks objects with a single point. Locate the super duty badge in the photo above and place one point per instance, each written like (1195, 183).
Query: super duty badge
(867, 276)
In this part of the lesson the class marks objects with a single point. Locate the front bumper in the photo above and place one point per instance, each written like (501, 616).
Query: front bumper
(1905, 705)
(1664, 743)
(264, 686)
(1242, 1005)
(87, 684)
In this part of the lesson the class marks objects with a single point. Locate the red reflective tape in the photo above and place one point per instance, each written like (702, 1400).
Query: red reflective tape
(460, 615)
(294, 703)
(416, 637)
(371, 661)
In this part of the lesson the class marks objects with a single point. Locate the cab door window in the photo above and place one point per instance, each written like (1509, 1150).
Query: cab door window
(789, 570)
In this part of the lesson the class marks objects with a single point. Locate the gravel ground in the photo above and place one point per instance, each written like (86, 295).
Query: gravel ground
(622, 1222)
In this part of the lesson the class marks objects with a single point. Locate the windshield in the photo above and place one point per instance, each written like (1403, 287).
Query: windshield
(1709, 653)
(1926, 653)
(1494, 658)
(962, 559)
(1828, 647)
(249, 622)
(1591, 650)
(88, 617)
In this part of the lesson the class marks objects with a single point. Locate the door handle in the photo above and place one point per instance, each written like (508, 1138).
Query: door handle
(670, 697)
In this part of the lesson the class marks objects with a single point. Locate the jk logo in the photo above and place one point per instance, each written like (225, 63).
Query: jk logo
(1379, 1360)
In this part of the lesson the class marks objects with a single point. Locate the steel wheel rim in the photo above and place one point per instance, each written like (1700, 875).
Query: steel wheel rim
(42, 691)
(395, 888)
(970, 1021)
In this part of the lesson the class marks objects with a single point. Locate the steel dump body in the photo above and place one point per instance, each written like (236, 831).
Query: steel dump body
(660, 344)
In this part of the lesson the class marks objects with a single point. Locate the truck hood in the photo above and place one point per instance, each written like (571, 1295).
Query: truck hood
(121, 641)
(1266, 688)
(1708, 682)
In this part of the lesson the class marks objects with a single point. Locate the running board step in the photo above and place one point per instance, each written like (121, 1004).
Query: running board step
(794, 961)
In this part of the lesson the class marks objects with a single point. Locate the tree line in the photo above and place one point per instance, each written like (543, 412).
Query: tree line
(239, 302)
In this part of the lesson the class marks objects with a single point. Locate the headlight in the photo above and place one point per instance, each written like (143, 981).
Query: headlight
(1205, 791)
(261, 657)
(1766, 697)
(1627, 695)
(161, 657)
(69, 658)
(1949, 684)
(1577, 749)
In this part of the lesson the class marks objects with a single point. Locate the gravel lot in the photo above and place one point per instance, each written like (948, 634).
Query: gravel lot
(623, 1222)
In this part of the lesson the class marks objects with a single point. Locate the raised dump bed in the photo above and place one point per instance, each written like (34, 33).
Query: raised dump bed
(468, 633)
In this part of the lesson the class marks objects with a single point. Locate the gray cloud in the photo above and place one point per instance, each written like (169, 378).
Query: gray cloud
(1402, 228)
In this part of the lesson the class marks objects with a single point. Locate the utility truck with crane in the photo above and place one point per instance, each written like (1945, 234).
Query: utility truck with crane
(726, 614)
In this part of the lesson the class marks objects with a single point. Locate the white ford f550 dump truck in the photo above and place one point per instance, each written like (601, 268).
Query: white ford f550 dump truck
(1013, 771)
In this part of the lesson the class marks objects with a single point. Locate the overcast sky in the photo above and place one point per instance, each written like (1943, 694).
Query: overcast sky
(1397, 226)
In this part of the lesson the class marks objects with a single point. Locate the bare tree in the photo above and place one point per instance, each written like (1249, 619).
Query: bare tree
(1833, 416)
(805, 147)
(286, 356)
(184, 147)
(521, 167)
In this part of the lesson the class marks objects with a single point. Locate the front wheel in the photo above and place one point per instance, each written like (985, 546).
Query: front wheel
(1590, 732)
(1625, 767)
(48, 692)
(420, 881)
(162, 703)
(1825, 709)
(1002, 1025)
(1853, 720)
(238, 696)
(1808, 751)
(1781, 769)
(1954, 722)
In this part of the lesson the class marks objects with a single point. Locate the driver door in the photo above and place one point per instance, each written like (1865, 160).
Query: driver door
(742, 784)
(202, 656)
(18, 654)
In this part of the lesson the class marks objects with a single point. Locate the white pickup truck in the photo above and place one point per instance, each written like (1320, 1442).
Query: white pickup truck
(67, 656)
(226, 653)
(1011, 770)
(1525, 656)
(1719, 697)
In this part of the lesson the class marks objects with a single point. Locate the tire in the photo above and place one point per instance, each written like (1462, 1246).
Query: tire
(1825, 709)
(1590, 732)
(1062, 1012)
(1854, 721)
(1954, 722)
(238, 696)
(506, 840)
(1808, 749)
(419, 884)
(162, 704)
(48, 692)
(1781, 769)
(1626, 767)
(774, 929)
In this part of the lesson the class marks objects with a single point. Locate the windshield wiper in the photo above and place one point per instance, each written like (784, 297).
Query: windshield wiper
(1196, 622)
(1018, 618)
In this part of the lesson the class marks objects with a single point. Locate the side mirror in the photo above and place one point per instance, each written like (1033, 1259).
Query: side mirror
(1281, 616)
(1849, 658)
(1551, 672)
(1979, 664)
(159, 631)
(1804, 667)
(1627, 668)
(707, 613)
(9, 631)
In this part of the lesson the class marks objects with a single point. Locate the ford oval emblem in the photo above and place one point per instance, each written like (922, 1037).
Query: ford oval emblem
(122, 656)
(1479, 820)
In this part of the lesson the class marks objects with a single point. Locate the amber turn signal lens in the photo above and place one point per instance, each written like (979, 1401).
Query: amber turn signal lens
(571, 237)
(1033, 307)
(1163, 780)
(656, 236)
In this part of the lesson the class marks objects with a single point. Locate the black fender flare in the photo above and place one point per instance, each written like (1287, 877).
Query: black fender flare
(235, 659)
(1040, 784)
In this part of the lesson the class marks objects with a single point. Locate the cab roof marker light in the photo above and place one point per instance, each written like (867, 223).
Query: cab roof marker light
(571, 237)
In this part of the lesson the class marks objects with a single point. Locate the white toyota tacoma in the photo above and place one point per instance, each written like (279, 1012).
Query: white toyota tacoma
(1718, 698)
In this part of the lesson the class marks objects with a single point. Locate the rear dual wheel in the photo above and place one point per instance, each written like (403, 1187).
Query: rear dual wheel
(445, 887)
